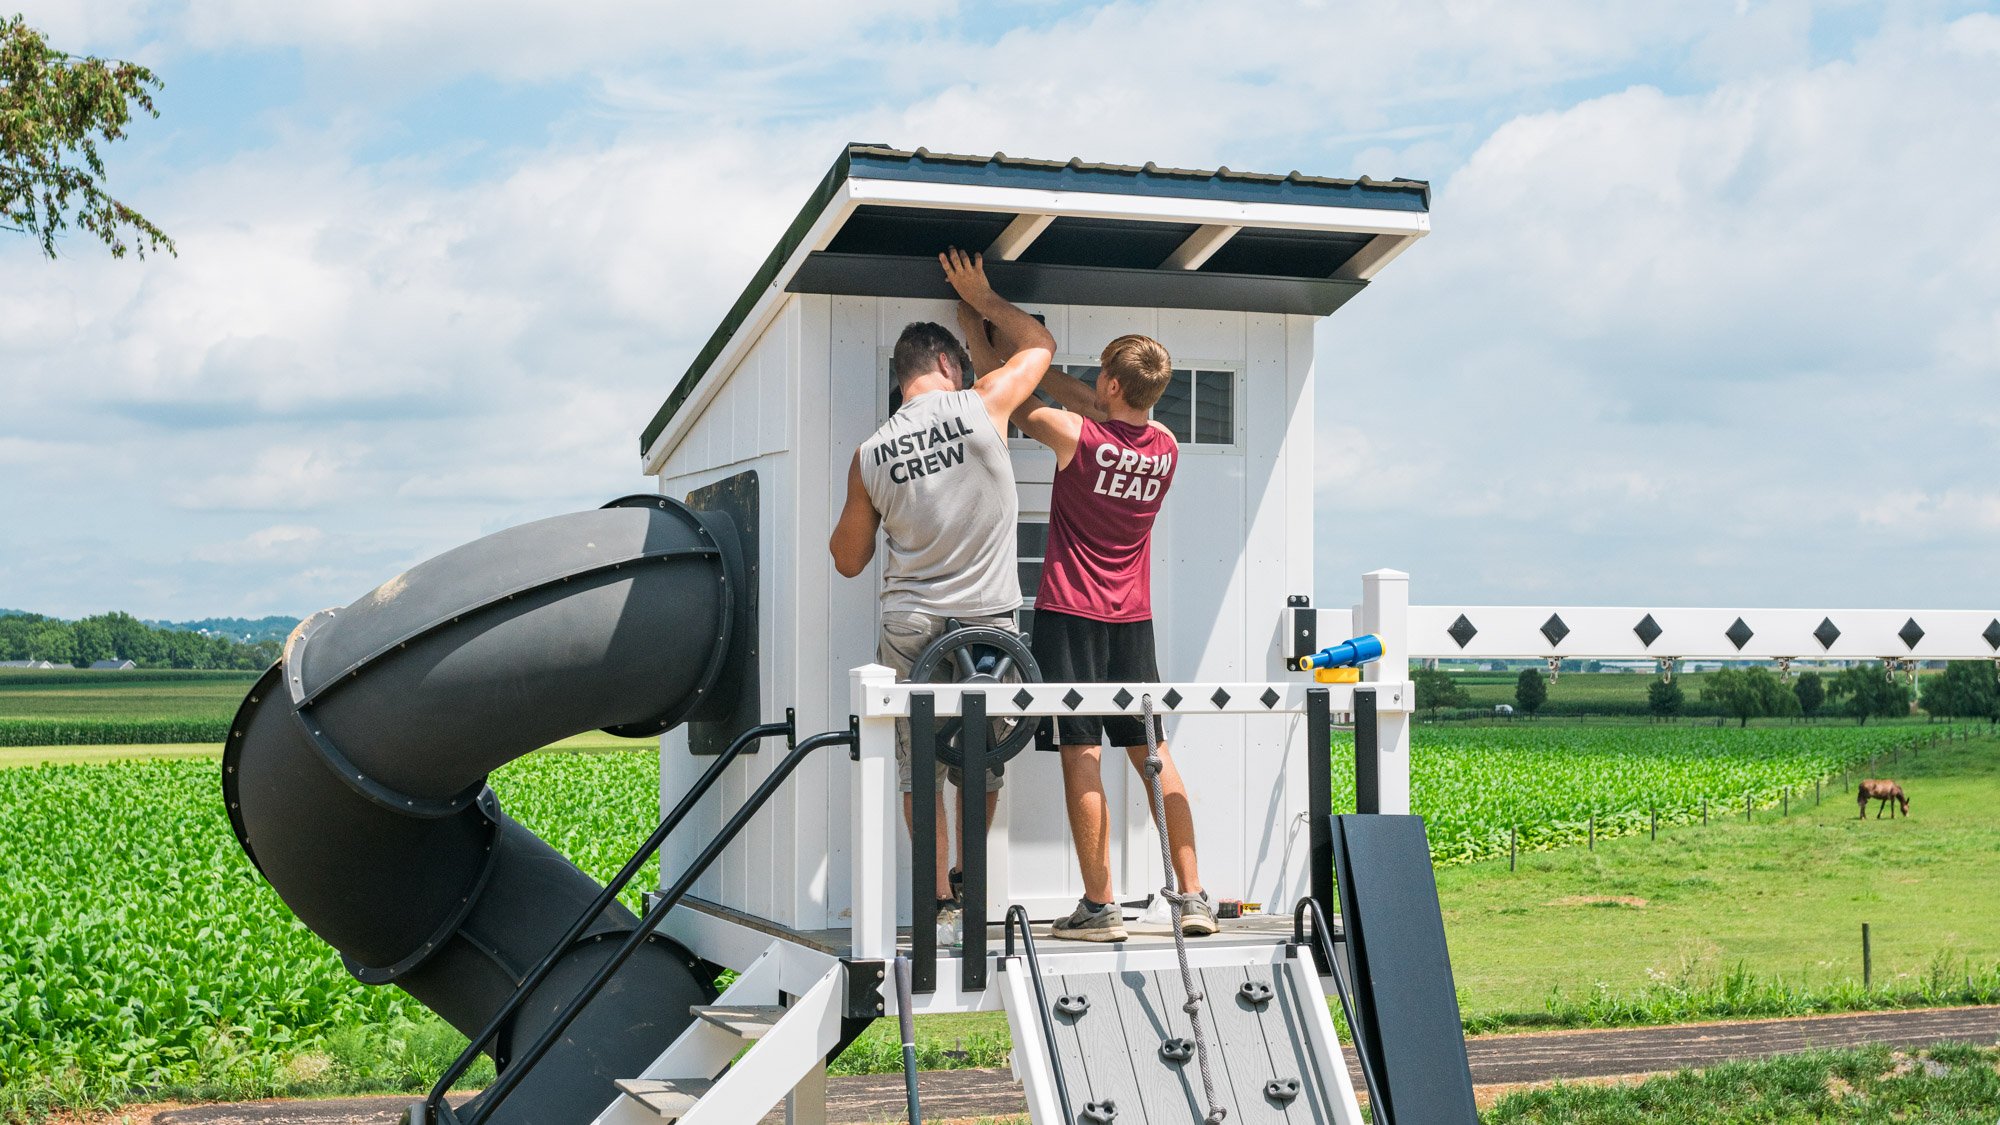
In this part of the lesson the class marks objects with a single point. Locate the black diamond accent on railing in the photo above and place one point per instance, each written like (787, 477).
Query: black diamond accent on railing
(1172, 699)
(1992, 634)
(1911, 632)
(1739, 634)
(1220, 698)
(1072, 699)
(1123, 698)
(1462, 631)
(1648, 629)
(1270, 698)
(1554, 630)
(1827, 633)
(1022, 699)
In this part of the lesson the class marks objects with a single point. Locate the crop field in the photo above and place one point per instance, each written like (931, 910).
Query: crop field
(148, 955)
(1473, 784)
(83, 708)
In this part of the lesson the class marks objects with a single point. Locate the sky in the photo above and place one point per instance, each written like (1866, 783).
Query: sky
(1710, 313)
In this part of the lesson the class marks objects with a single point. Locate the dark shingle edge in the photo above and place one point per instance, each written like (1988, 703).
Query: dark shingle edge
(1001, 170)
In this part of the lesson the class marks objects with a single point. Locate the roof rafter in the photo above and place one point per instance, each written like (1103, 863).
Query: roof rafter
(1200, 246)
(1019, 235)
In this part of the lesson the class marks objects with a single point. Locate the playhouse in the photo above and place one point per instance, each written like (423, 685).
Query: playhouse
(1230, 271)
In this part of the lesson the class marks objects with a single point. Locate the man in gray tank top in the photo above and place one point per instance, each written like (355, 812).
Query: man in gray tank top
(938, 481)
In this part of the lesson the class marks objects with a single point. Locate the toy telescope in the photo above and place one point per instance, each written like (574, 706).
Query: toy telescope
(1365, 649)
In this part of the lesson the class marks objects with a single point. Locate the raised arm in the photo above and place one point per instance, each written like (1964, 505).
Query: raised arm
(1021, 338)
(853, 539)
(1073, 394)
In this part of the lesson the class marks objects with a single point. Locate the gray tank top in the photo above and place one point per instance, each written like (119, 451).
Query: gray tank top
(940, 475)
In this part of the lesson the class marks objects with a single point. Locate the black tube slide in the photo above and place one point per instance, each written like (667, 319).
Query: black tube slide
(355, 774)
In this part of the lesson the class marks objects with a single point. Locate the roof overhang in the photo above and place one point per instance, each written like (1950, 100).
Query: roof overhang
(1062, 233)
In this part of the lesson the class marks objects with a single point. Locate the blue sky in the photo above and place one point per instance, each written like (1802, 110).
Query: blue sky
(1711, 313)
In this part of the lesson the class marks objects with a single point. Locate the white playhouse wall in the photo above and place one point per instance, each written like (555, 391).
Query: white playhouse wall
(1235, 538)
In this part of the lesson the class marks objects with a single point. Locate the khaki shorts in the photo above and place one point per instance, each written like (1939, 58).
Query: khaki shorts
(905, 636)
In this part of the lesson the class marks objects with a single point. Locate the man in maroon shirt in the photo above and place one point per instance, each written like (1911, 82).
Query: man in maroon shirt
(1094, 611)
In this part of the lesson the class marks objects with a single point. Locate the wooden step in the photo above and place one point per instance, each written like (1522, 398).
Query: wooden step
(668, 1097)
(746, 1021)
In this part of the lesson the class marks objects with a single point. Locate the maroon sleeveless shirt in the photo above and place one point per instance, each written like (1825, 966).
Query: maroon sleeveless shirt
(1100, 556)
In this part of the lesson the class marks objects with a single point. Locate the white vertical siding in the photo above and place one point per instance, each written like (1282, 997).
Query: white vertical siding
(1234, 539)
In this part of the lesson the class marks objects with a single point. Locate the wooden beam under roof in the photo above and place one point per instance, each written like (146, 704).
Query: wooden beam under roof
(1019, 235)
(1200, 246)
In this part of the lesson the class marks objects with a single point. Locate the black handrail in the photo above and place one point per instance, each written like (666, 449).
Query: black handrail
(1020, 913)
(1323, 940)
(655, 914)
(463, 1063)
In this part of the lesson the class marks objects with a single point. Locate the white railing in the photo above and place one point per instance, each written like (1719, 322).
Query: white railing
(1626, 632)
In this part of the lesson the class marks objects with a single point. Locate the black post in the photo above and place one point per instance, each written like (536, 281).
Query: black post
(973, 734)
(1513, 841)
(1319, 796)
(1367, 744)
(1656, 824)
(1704, 812)
(1593, 833)
(1867, 959)
(923, 841)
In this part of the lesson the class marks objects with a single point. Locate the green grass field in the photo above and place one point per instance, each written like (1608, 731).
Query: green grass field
(1620, 932)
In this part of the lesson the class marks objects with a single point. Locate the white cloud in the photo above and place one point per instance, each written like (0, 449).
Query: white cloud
(1735, 344)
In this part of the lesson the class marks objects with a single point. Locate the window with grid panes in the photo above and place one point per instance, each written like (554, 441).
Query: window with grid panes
(1198, 406)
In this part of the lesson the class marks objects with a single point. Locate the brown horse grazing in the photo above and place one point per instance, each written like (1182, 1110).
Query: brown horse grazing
(1883, 791)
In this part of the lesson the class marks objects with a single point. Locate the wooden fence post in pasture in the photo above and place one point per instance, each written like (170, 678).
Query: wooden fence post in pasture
(1746, 808)
(1788, 802)
(1513, 839)
(1656, 824)
(1593, 832)
(1704, 812)
(1815, 791)
(1867, 959)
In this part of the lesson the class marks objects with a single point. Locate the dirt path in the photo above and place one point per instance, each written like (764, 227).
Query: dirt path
(1498, 1061)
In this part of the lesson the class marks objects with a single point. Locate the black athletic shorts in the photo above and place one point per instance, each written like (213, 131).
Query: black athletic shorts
(1082, 650)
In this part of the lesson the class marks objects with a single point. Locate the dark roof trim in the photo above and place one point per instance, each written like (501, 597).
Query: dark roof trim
(1001, 170)
(876, 275)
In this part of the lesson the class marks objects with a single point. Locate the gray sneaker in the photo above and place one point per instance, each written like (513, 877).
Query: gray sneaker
(1198, 916)
(1106, 923)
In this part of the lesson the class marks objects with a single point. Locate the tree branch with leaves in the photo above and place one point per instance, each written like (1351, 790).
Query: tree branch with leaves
(55, 110)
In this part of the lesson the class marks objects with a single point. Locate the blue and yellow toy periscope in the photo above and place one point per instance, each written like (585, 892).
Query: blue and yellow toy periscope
(1341, 663)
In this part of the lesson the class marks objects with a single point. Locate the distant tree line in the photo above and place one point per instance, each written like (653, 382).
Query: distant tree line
(121, 636)
(1966, 689)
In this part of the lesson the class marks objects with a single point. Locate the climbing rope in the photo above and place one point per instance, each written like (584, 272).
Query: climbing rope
(1175, 899)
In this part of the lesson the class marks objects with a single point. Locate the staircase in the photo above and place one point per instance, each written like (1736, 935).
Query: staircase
(743, 1054)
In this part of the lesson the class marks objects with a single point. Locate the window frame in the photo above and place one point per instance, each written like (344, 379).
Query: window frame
(1235, 446)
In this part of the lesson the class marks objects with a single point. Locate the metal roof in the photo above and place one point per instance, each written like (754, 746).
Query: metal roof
(1077, 174)
(1072, 232)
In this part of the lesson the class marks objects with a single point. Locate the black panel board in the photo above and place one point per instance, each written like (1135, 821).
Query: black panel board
(917, 232)
(735, 703)
(1286, 253)
(1404, 998)
(868, 275)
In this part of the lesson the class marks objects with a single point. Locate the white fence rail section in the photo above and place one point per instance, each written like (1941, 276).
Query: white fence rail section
(1518, 632)
(892, 701)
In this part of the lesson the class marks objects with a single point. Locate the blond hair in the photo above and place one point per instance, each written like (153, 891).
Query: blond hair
(1141, 366)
